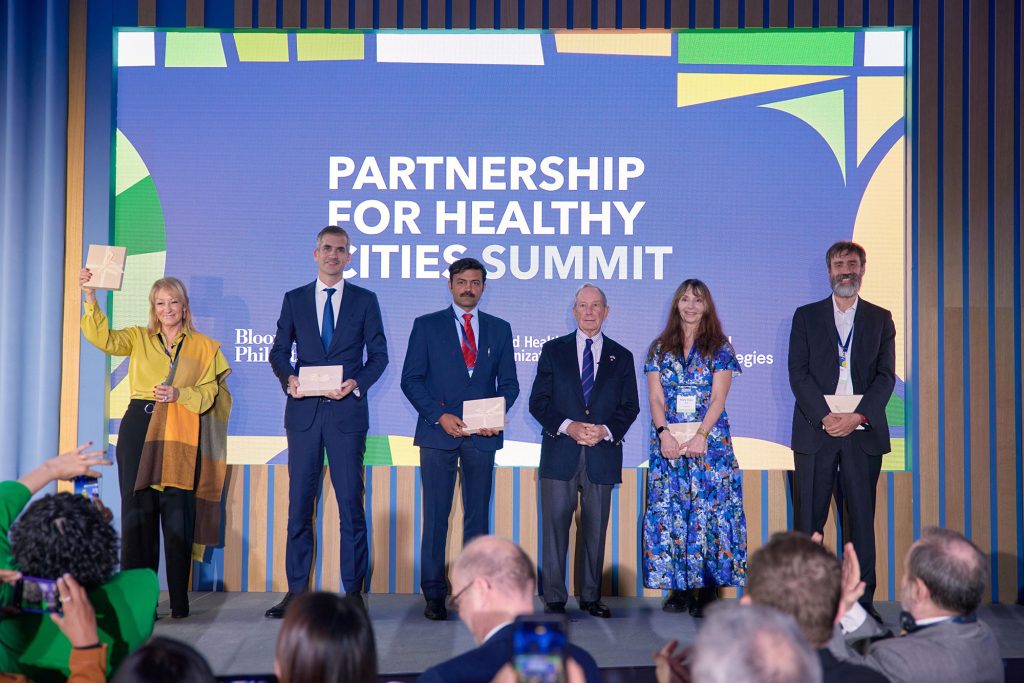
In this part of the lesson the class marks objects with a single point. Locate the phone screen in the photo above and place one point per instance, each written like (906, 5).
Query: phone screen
(87, 486)
(540, 648)
(39, 596)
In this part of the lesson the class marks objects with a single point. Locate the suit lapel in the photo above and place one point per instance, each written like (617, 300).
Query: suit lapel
(346, 310)
(828, 321)
(572, 363)
(603, 369)
(454, 340)
(308, 303)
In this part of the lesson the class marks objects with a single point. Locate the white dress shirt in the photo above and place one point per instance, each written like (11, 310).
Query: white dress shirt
(844, 324)
(321, 298)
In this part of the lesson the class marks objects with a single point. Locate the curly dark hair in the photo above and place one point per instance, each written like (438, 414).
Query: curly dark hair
(165, 660)
(65, 534)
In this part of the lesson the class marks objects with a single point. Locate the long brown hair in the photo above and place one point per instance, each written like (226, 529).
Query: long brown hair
(326, 638)
(710, 336)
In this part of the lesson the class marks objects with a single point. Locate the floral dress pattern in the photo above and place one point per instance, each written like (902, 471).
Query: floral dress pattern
(694, 530)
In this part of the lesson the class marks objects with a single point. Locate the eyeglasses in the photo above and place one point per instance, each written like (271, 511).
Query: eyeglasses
(453, 601)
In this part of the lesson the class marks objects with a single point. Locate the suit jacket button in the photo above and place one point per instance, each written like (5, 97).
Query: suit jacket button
(587, 411)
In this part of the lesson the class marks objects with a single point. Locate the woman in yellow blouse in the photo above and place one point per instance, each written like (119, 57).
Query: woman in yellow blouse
(168, 476)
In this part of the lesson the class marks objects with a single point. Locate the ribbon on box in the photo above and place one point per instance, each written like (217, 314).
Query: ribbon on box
(108, 273)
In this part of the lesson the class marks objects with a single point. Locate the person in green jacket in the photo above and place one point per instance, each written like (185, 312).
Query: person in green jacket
(67, 534)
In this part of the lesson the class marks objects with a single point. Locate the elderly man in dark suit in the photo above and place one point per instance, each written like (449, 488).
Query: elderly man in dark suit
(493, 582)
(330, 323)
(585, 398)
(943, 585)
(455, 355)
(841, 346)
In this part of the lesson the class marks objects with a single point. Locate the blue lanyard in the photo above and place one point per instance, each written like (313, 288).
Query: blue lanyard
(845, 346)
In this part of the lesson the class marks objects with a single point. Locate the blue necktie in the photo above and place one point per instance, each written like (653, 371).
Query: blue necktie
(327, 328)
(587, 375)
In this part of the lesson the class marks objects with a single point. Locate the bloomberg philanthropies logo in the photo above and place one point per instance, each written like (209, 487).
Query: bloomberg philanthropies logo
(251, 347)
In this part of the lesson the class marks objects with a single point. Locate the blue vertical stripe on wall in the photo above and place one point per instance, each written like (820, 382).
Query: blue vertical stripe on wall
(392, 528)
(368, 511)
(269, 581)
(246, 498)
(417, 529)
(911, 386)
(890, 515)
(615, 539)
(318, 570)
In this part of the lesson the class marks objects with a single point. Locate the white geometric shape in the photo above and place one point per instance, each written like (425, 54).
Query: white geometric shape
(518, 454)
(514, 49)
(884, 48)
(136, 48)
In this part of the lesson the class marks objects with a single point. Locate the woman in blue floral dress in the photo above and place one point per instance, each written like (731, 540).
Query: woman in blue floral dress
(695, 533)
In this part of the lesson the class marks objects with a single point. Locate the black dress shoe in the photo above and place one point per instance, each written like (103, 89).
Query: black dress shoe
(554, 608)
(872, 612)
(277, 611)
(677, 601)
(595, 609)
(179, 613)
(358, 599)
(435, 610)
(705, 596)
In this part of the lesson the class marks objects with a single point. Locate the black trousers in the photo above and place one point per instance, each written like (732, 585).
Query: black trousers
(813, 483)
(143, 513)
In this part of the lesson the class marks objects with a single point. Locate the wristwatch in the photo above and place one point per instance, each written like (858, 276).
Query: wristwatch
(660, 429)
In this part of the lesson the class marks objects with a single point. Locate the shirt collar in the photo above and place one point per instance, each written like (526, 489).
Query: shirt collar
(459, 312)
(183, 333)
(338, 286)
(932, 620)
(490, 634)
(581, 337)
(851, 309)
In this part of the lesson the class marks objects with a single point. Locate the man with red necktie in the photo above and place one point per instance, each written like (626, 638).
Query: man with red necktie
(455, 355)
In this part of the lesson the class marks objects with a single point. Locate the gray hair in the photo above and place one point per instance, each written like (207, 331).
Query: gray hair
(753, 643)
(498, 560)
(604, 299)
(952, 568)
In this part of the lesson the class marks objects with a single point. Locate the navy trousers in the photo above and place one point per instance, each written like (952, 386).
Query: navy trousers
(437, 473)
(305, 469)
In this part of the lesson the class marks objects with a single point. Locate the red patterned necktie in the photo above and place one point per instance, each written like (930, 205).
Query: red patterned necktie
(468, 341)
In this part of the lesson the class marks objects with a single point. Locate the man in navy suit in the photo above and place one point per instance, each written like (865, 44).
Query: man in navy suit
(330, 323)
(585, 399)
(494, 582)
(455, 355)
(841, 345)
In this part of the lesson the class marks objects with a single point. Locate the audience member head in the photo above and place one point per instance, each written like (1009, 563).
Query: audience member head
(325, 638)
(163, 660)
(753, 643)
(65, 534)
(945, 575)
(492, 582)
(797, 576)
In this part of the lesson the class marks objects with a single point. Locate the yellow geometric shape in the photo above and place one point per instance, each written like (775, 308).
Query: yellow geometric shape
(254, 450)
(403, 452)
(880, 228)
(328, 47)
(881, 102)
(262, 47)
(643, 43)
(758, 454)
(896, 459)
(701, 88)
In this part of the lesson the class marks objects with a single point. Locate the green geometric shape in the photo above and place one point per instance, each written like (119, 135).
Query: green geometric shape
(262, 47)
(823, 113)
(378, 452)
(194, 49)
(895, 411)
(896, 459)
(131, 303)
(820, 48)
(139, 219)
(329, 47)
(128, 165)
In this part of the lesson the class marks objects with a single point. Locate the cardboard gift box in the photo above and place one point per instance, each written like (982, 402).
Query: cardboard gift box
(484, 413)
(106, 264)
(317, 380)
(838, 403)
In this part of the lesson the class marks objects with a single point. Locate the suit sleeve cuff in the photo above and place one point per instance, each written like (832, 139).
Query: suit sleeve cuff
(853, 619)
(564, 427)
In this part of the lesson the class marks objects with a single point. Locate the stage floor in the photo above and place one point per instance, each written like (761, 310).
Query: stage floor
(232, 633)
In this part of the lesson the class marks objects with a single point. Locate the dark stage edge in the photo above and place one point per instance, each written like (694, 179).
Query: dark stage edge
(229, 629)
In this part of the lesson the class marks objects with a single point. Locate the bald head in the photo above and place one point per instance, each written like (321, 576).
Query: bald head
(951, 567)
(501, 562)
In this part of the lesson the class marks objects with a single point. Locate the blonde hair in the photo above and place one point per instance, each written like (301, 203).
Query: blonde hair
(177, 288)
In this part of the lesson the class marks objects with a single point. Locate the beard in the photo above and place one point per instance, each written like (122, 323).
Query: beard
(845, 286)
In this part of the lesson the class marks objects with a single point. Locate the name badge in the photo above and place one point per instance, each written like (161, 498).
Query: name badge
(686, 404)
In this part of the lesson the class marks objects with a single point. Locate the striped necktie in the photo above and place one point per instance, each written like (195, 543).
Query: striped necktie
(587, 374)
